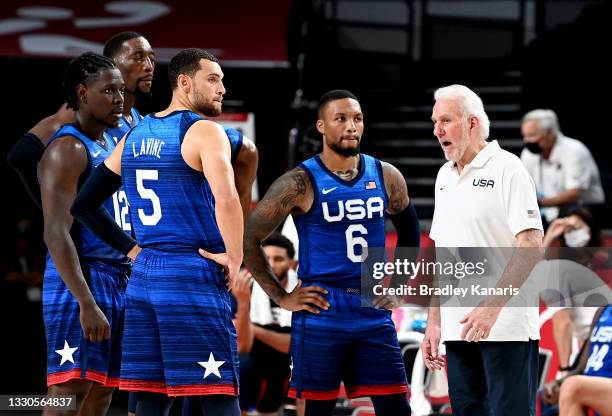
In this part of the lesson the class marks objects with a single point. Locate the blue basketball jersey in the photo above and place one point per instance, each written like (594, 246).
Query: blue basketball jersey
(346, 217)
(88, 245)
(171, 204)
(235, 139)
(124, 126)
(600, 356)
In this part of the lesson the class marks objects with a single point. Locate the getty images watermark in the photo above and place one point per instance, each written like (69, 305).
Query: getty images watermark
(465, 276)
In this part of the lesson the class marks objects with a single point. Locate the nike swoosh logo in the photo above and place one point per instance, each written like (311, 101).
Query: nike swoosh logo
(326, 191)
(95, 154)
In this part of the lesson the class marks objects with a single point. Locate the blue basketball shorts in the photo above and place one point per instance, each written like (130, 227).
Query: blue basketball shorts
(69, 354)
(350, 343)
(179, 338)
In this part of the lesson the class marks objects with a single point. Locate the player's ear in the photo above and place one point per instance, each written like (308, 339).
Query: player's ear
(81, 91)
(320, 126)
(184, 83)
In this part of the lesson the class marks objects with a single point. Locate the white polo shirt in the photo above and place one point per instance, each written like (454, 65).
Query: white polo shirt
(569, 166)
(492, 201)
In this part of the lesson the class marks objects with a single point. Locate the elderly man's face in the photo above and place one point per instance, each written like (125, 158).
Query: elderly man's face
(535, 139)
(451, 128)
(531, 132)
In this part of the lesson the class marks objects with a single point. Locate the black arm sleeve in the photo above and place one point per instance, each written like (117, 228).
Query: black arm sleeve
(408, 229)
(24, 157)
(88, 209)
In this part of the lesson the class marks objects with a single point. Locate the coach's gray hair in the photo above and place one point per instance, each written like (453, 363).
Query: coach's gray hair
(545, 119)
(471, 104)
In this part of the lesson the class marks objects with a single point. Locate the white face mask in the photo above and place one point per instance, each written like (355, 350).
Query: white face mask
(579, 237)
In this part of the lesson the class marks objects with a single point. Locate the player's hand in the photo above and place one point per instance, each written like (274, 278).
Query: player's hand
(242, 287)
(134, 252)
(386, 302)
(94, 323)
(231, 270)
(550, 393)
(430, 347)
(305, 299)
(479, 322)
(219, 258)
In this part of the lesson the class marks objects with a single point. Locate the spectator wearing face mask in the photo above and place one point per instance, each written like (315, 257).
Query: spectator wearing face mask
(562, 168)
(576, 229)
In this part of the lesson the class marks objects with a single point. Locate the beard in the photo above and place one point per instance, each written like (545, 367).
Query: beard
(204, 107)
(460, 148)
(345, 151)
(283, 276)
(210, 110)
(456, 154)
(143, 95)
(138, 93)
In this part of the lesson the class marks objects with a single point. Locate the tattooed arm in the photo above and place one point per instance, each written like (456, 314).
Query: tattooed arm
(395, 184)
(292, 193)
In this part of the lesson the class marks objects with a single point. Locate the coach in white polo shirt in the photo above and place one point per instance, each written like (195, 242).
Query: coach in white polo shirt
(484, 197)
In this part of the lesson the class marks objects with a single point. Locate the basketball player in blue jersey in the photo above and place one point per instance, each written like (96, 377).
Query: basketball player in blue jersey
(135, 58)
(589, 384)
(339, 200)
(244, 159)
(179, 338)
(83, 291)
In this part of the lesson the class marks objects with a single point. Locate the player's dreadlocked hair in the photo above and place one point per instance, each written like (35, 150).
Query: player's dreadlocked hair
(114, 44)
(82, 70)
(187, 62)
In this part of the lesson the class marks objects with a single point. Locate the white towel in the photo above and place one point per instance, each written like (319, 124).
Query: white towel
(261, 312)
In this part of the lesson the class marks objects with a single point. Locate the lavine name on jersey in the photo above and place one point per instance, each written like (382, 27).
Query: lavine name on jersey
(148, 146)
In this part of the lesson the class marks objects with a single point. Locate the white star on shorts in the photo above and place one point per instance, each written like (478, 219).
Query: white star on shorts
(66, 353)
(211, 366)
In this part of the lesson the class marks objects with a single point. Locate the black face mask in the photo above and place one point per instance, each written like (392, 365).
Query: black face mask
(533, 147)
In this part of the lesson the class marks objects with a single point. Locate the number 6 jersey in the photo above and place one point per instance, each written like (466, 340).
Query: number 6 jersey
(345, 219)
(171, 205)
